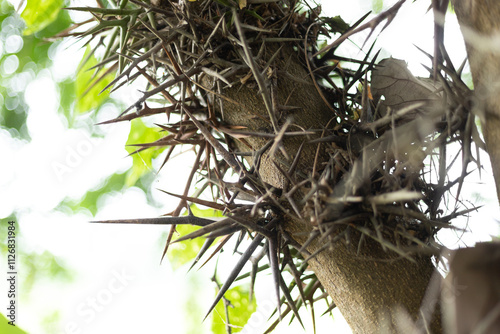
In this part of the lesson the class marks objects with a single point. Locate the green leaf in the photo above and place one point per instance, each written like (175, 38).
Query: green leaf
(44, 265)
(192, 308)
(89, 201)
(40, 13)
(5, 328)
(51, 320)
(89, 84)
(337, 24)
(67, 91)
(240, 311)
(377, 6)
(142, 161)
(61, 22)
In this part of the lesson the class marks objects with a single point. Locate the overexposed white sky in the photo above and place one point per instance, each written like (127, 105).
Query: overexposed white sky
(120, 285)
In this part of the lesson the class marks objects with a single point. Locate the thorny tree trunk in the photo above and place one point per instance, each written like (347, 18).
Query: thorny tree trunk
(480, 24)
(368, 283)
(367, 287)
(371, 288)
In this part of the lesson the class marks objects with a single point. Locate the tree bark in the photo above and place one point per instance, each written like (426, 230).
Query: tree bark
(370, 288)
(480, 24)
(367, 287)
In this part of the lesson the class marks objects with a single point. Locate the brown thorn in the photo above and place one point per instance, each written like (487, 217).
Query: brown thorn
(183, 202)
(256, 74)
(371, 24)
(313, 79)
(231, 161)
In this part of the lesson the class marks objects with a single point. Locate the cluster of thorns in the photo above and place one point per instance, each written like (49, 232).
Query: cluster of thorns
(374, 188)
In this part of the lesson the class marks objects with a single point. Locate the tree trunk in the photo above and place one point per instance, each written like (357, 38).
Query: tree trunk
(480, 24)
(366, 286)
(370, 287)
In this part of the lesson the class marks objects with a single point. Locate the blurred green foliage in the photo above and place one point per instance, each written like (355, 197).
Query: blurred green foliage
(27, 48)
(5, 328)
(22, 56)
(140, 133)
(186, 251)
(377, 5)
(90, 82)
(51, 322)
(89, 201)
(42, 265)
(192, 305)
(240, 309)
(38, 14)
(34, 265)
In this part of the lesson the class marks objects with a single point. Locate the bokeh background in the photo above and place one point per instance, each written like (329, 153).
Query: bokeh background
(59, 170)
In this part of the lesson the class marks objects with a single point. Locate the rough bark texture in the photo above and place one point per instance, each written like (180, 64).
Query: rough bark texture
(368, 288)
(295, 90)
(473, 290)
(365, 287)
(480, 24)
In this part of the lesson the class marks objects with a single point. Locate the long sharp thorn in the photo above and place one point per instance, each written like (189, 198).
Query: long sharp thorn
(167, 244)
(228, 230)
(273, 260)
(236, 270)
(296, 275)
(290, 301)
(186, 220)
(206, 245)
(206, 229)
(251, 226)
(195, 200)
(241, 236)
(217, 249)
(231, 161)
(313, 255)
(264, 92)
(313, 235)
(330, 308)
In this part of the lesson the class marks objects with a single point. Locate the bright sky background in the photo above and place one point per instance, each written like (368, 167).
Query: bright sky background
(119, 266)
